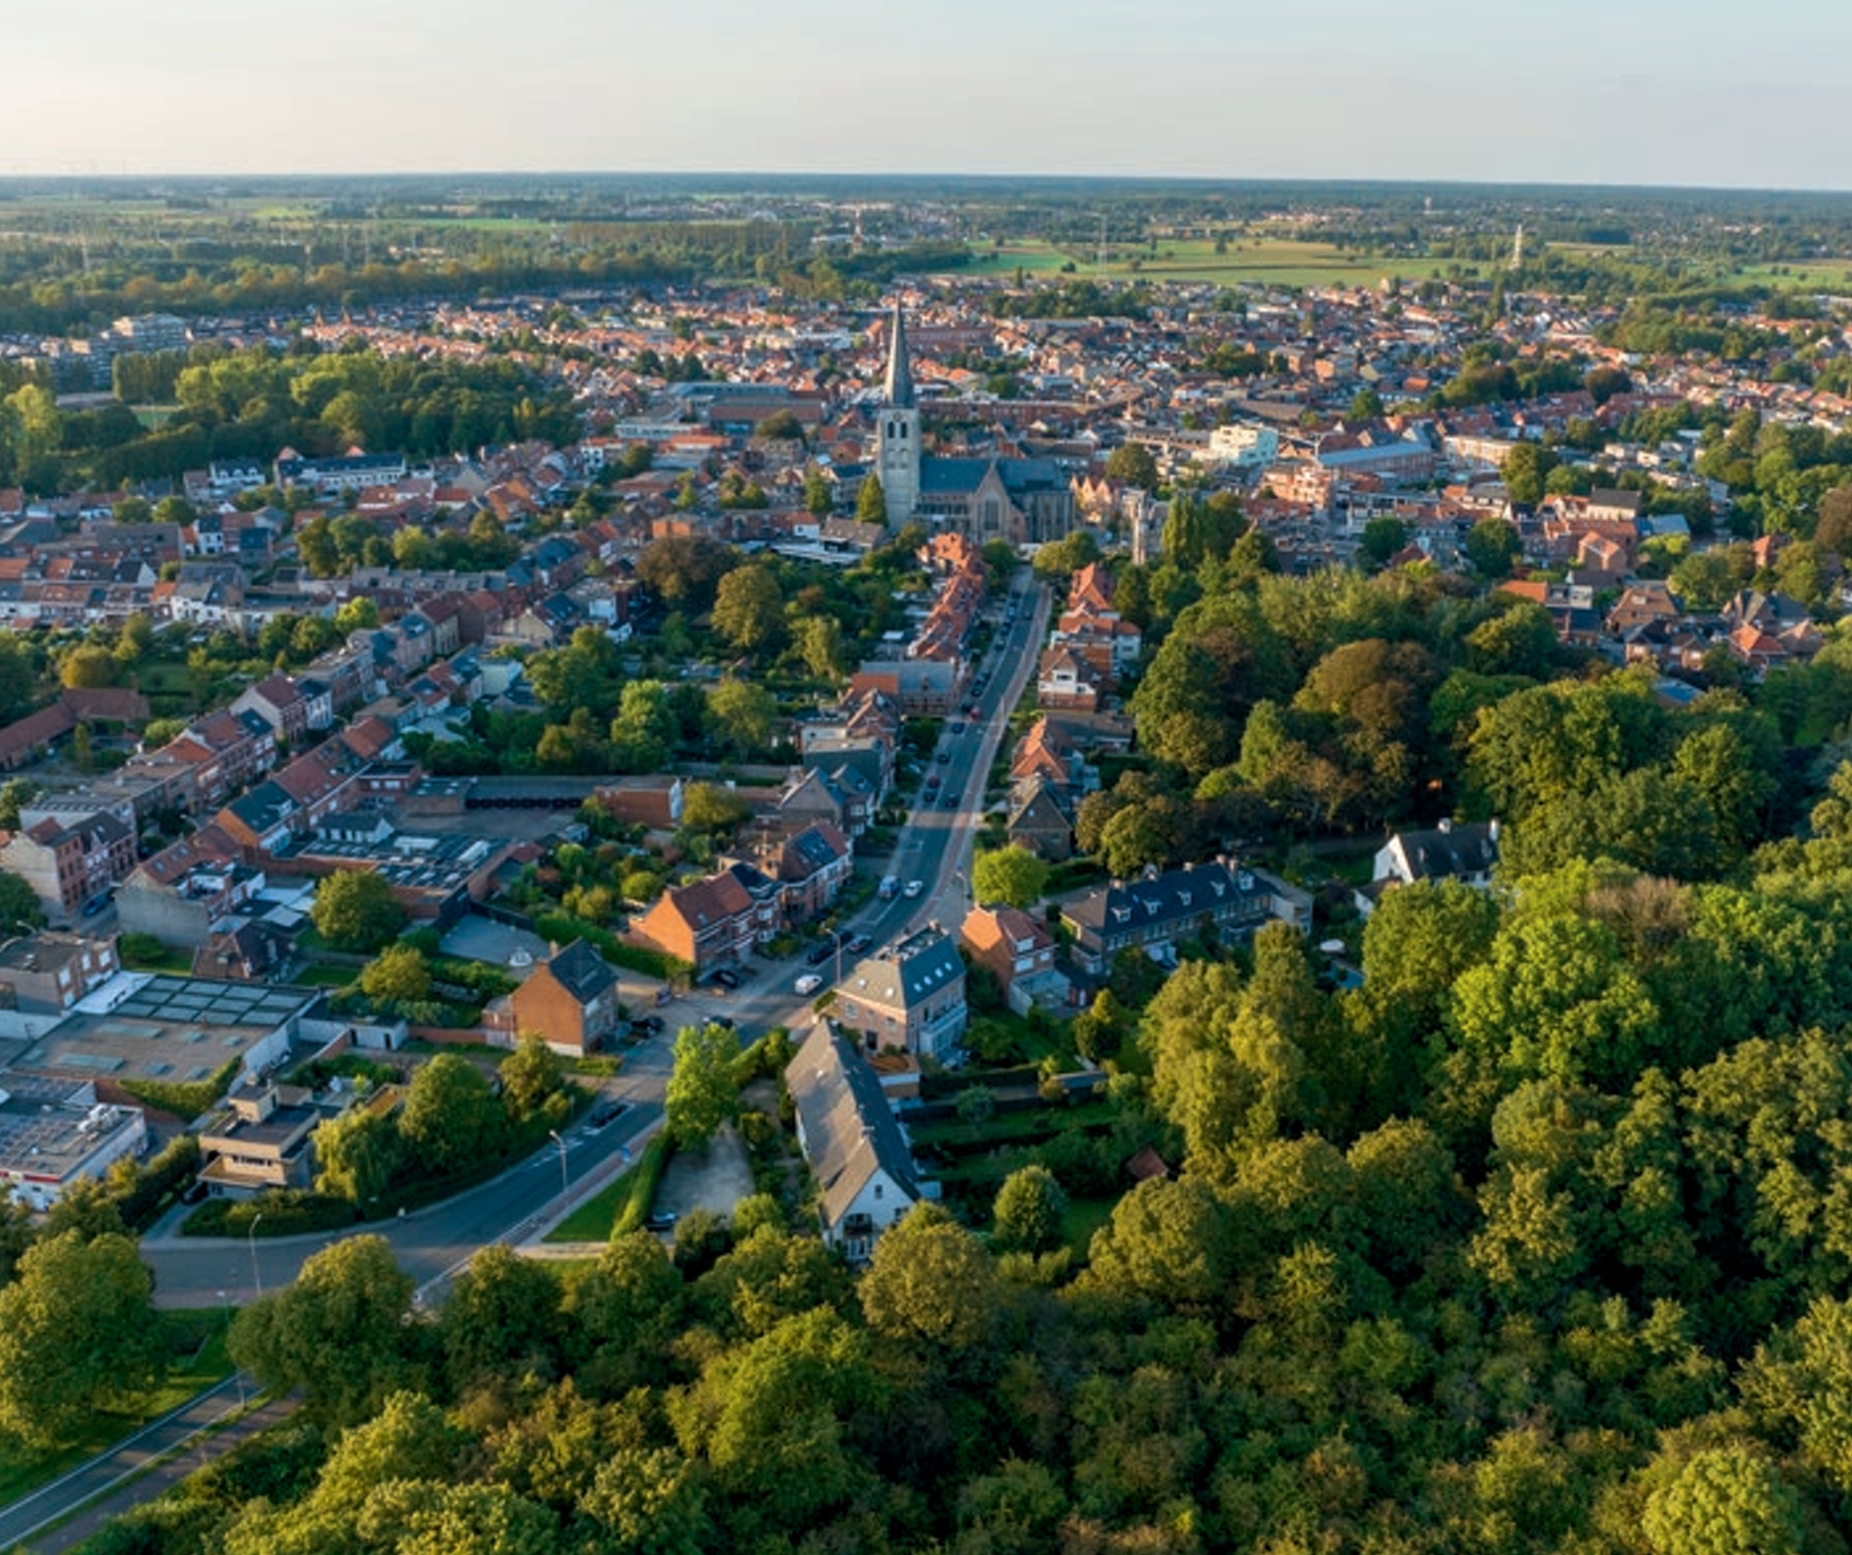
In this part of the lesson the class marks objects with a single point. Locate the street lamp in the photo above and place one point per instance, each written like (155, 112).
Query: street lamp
(562, 1159)
(257, 1274)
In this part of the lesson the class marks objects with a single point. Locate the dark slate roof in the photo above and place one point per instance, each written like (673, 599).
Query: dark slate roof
(1022, 476)
(1176, 896)
(907, 974)
(266, 805)
(581, 971)
(1437, 855)
(940, 476)
(849, 1129)
(899, 387)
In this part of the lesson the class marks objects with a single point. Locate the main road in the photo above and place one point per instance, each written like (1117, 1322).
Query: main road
(934, 848)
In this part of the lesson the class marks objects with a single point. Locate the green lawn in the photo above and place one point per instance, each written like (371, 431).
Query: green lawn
(1274, 261)
(322, 976)
(592, 1220)
(196, 1342)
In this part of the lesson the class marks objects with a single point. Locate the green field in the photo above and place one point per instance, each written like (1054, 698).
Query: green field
(196, 1344)
(1254, 260)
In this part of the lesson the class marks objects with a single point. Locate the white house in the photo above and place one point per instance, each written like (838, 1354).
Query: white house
(854, 1146)
(1448, 852)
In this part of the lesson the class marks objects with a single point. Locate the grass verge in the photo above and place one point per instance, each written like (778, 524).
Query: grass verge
(621, 1207)
(197, 1359)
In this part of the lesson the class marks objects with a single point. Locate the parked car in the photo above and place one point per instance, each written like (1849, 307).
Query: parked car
(661, 1220)
(820, 953)
(956, 726)
(914, 887)
(646, 1025)
(860, 945)
(727, 978)
(808, 983)
(605, 1112)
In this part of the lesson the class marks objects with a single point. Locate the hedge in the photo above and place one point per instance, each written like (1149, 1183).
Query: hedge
(184, 1099)
(286, 1212)
(643, 1179)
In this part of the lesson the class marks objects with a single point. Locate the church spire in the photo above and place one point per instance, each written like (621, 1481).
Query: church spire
(899, 371)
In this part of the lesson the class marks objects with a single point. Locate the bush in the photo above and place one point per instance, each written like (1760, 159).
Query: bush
(137, 950)
(562, 929)
(185, 1100)
(285, 1211)
(156, 1183)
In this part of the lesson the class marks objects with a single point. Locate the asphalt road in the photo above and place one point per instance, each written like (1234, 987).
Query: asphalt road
(934, 848)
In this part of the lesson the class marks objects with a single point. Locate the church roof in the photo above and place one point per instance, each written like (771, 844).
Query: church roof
(899, 370)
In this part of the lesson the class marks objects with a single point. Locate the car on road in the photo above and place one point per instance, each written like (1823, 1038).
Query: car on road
(646, 1025)
(860, 945)
(724, 1022)
(956, 726)
(944, 758)
(914, 887)
(890, 887)
(660, 1220)
(605, 1112)
(727, 978)
(808, 983)
(932, 782)
(818, 954)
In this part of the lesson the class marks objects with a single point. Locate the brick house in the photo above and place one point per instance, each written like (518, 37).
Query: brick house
(570, 1001)
(707, 923)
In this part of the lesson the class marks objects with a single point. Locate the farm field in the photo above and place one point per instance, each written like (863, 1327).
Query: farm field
(1257, 260)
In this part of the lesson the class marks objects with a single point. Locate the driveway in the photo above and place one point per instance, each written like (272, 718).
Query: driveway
(716, 1178)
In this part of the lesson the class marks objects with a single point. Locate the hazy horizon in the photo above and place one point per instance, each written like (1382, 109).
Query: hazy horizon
(1700, 96)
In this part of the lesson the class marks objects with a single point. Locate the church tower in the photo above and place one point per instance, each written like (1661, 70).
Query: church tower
(897, 457)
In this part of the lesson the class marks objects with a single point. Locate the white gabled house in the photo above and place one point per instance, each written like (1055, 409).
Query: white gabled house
(854, 1146)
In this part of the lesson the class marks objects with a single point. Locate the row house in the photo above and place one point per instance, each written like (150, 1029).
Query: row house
(47, 972)
(1152, 913)
(71, 865)
(1065, 679)
(290, 706)
(708, 923)
(1094, 629)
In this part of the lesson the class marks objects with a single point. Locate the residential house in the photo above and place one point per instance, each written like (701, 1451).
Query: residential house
(260, 1139)
(570, 1001)
(709, 923)
(1159, 908)
(1039, 821)
(46, 973)
(910, 996)
(856, 1152)
(1448, 851)
(71, 864)
(1019, 952)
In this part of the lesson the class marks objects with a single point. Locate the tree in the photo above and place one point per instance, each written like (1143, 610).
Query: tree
(88, 667)
(683, 571)
(19, 905)
(1365, 405)
(1727, 1501)
(1028, 1211)
(1493, 546)
(819, 493)
(749, 608)
(399, 974)
(358, 1155)
(78, 1332)
(503, 1318)
(745, 712)
(871, 501)
(357, 615)
(1012, 875)
(1525, 470)
(354, 910)
(930, 1281)
(343, 1332)
(451, 1118)
(532, 1075)
(819, 644)
(1382, 538)
(707, 807)
(701, 1094)
(1133, 465)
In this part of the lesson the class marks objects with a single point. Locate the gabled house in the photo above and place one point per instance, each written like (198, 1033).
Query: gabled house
(1040, 822)
(910, 996)
(570, 1001)
(1019, 952)
(707, 923)
(856, 1152)
(1153, 912)
(1448, 851)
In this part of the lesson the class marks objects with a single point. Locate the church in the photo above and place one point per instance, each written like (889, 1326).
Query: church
(1024, 502)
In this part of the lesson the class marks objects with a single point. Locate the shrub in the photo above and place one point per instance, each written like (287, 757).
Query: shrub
(184, 1099)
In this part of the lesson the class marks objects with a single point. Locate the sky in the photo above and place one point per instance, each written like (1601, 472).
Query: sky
(1690, 92)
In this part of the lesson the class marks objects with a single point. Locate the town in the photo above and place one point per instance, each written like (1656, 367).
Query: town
(1222, 799)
